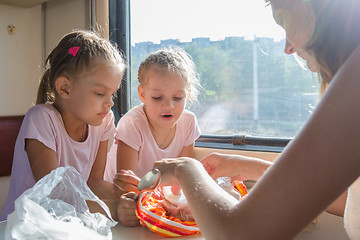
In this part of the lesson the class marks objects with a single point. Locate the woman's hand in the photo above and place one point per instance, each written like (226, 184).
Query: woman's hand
(126, 208)
(237, 167)
(171, 168)
(221, 165)
(126, 181)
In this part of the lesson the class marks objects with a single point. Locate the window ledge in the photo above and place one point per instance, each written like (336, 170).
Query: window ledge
(242, 142)
(230, 146)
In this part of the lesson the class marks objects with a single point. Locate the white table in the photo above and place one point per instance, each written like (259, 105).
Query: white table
(327, 227)
(142, 233)
(126, 233)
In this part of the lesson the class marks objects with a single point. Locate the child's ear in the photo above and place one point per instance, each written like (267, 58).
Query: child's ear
(62, 86)
(141, 92)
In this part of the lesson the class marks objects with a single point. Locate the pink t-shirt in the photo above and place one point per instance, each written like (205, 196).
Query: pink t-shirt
(44, 123)
(134, 130)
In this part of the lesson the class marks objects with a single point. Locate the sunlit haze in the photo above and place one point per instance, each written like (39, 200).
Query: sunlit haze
(155, 20)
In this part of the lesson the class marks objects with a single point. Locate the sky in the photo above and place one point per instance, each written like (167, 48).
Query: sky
(155, 20)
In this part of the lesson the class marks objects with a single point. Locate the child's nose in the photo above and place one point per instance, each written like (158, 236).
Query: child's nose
(169, 103)
(110, 102)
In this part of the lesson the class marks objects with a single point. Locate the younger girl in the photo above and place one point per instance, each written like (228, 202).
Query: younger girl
(72, 120)
(160, 127)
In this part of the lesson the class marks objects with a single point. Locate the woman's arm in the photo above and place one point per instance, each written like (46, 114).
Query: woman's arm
(338, 206)
(236, 166)
(313, 170)
(245, 168)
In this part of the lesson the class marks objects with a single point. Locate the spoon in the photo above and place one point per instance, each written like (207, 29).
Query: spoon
(150, 180)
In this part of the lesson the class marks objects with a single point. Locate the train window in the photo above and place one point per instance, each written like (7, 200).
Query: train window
(251, 88)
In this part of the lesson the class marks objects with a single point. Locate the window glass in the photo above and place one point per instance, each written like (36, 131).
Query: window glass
(250, 86)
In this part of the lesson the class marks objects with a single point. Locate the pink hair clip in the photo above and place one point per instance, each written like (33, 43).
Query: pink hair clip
(73, 50)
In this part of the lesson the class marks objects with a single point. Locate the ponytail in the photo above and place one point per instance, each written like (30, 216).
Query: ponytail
(45, 93)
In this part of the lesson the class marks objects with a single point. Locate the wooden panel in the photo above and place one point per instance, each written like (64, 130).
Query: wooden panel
(9, 129)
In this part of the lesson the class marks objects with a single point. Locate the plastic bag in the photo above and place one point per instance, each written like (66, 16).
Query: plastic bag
(235, 188)
(55, 208)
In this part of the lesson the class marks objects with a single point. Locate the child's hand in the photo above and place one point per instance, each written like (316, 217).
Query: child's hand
(126, 210)
(126, 181)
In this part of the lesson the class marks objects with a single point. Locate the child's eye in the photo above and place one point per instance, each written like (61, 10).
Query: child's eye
(178, 98)
(157, 98)
(99, 94)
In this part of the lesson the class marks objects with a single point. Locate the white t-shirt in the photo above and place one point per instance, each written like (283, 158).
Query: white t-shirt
(352, 211)
(44, 123)
(133, 129)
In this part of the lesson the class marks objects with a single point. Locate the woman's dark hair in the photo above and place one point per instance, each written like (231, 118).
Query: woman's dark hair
(336, 35)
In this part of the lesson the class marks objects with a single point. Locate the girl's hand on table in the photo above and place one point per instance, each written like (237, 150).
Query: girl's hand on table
(126, 181)
(126, 210)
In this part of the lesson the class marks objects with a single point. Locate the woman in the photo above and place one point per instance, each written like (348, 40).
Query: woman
(318, 165)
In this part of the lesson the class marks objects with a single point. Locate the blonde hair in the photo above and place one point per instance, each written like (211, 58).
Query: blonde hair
(64, 61)
(175, 60)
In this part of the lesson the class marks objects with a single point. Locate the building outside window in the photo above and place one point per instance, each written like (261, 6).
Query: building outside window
(250, 86)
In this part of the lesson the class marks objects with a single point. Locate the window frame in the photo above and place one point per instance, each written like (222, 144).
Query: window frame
(120, 32)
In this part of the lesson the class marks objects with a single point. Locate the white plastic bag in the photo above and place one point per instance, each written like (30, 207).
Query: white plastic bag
(55, 208)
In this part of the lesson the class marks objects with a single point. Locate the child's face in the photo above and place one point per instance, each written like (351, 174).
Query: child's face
(298, 20)
(164, 96)
(91, 95)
